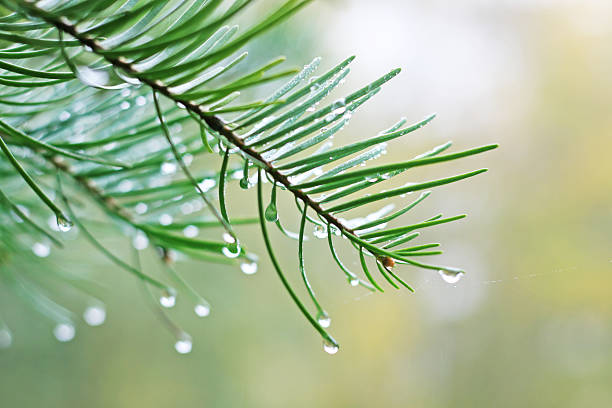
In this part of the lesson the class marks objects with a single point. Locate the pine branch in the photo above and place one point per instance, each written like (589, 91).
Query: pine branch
(175, 49)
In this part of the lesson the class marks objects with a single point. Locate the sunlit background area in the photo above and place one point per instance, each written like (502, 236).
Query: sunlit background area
(530, 323)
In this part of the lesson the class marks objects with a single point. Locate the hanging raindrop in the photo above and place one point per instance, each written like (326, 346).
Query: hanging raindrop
(64, 332)
(353, 281)
(232, 250)
(183, 344)
(323, 319)
(450, 276)
(168, 298)
(329, 347)
(320, 231)
(94, 315)
(202, 309)
(63, 224)
(248, 268)
(271, 214)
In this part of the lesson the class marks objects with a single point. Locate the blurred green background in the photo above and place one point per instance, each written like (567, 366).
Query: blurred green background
(529, 325)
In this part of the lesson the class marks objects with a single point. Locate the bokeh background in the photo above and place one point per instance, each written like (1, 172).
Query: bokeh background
(529, 325)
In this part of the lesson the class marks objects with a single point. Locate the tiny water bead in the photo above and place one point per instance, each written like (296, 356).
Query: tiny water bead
(244, 182)
(229, 238)
(232, 250)
(64, 116)
(41, 250)
(183, 345)
(451, 276)
(201, 310)
(320, 231)
(329, 347)
(168, 168)
(206, 184)
(165, 219)
(248, 268)
(140, 241)
(64, 332)
(63, 224)
(6, 338)
(324, 319)
(141, 208)
(168, 298)
(353, 281)
(94, 315)
(271, 214)
(191, 231)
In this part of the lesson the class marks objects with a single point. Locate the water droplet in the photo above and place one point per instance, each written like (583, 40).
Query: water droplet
(271, 214)
(320, 231)
(6, 338)
(41, 250)
(64, 332)
(64, 116)
(244, 182)
(98, 78)
(191, 231)
(323, 319)
(329, 347)
(128, 79)
(202, 310)
(310, 109)
(353, 281)
(248, 268)
(94, 315)
(140, 241)
(229, 238)
(168, 168)
(183, 344)
(63, 224)
(168, 298)
(165, 219)
(232, 250)
(141, 100)
(124, 105)
(207, 184)
(451, 276)
(141, 208)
